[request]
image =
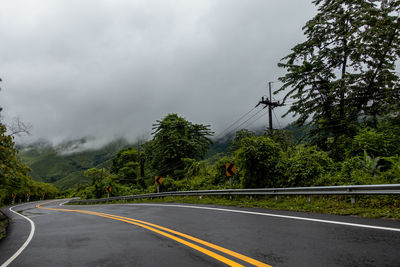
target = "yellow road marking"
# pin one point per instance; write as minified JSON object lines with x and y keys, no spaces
{"x":216,"y":247}
{"x":148,"y":225}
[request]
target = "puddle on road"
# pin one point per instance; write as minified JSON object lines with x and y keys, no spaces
{"x":33,"y":212}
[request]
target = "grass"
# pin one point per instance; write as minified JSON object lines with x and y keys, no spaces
{"x":3,"y":225}
{"x":387,"y":207}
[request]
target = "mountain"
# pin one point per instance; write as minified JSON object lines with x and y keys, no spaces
{"x":63,"y":165}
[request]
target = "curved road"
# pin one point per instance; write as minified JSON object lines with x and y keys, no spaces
{"x":190,"y":235}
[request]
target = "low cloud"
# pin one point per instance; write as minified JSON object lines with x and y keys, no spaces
{"x":112,"y":68}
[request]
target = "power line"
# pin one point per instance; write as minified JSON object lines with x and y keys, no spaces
{"x":179,"y":164}
{"x":255,"y":114}
{"x":232,"y":124}
{"x":251,"y":123}
{"x":280,"y":127}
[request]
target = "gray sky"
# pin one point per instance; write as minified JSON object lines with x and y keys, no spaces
{"x":110,"y":68}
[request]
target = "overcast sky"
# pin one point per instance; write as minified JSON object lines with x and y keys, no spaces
{"x":111,"y":68}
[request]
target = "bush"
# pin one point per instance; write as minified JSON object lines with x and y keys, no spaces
{"x":383,"y":141}
{"x":306,"y":166}
{"x":369,"y":140}
{"x":258,"y":159}
{"x":218,"y":174}
{"x":356,"y":170}
{"x":392,"y":175}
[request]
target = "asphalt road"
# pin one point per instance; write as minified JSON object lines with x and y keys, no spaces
{"x":143,"y":235}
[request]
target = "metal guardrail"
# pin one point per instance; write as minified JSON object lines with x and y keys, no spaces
{"x":351,"y":190}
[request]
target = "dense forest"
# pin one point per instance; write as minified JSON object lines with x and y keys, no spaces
{"x":343,"y":89}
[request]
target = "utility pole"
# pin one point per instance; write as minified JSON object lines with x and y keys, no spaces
{"x":271,"y":105}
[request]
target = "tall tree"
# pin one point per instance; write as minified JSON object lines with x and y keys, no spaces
{"x":13,"y":174}
{"x":14,"y":179}
{"x":346,"y":67}
{"x":127,"y":165}
{"x":258,"y":159}
{"x":176,"y":138}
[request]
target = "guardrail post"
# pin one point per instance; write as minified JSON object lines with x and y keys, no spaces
{"x":251,"y":197}
{"x":353,"y":200}
{"x":308,"y":199}
{"x":276,"y":198}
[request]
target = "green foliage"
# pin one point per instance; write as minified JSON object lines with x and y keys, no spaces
{"x":94,"y":175}
{"x":14,"y":177}
{"x":346,"y":67}
{"x":370,"y":164}
{"x":174,"y":139}
{"x":127,"y":166}
{"x":284,"y":138}
{"x":219,"y":171}
{"x":51,"y":164}
{"x":367,"y":206}
{"x":258,"y":159}
{"x":346,"y":96}
{"x":100,"y":180}
{"x":306,"y":165}
{"x":237,"y":140}
{"x":371,"y":141}
{"x":124,"y":157}
{"x":392,"y":175}
{"x":355,"y":170}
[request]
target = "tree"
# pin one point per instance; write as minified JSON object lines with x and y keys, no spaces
{"x":100,"y":180}
{"x":95,"y":175}
{"x":18,"y":127}
{"x":176,"y":138}
{"x":127,"y":166}
{"x":345,"y":69}
{"x":14,"y":177}
{"x":239,"y":135}
{"x":258,"y":159}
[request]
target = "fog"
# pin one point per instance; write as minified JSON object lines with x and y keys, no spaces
{"x":109,"y":69}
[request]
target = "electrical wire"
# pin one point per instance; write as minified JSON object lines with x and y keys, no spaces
{"x":252,"y":122}
{"x":232,"y":124}
{"x":280,"y":127}
{"x":255,"y":114}
{"x":178,"y":164}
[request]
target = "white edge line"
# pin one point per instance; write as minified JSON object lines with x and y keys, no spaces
{"x":61,"y":204}
{"x":19,"y":251}
{"x":275,"y":215}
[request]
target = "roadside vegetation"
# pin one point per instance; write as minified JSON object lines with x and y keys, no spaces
{"x":365,"y":206}
{"x":15,"y":183}
{"x":344,"y":91}
{"x":3,"y":225}
{"x":343,"y":88}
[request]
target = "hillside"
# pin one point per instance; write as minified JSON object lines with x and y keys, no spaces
{"x":64,"y":165}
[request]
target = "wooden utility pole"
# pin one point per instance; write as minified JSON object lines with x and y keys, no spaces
{"x":271,"y":105}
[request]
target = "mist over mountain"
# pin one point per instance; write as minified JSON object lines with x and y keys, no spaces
{"x":63,"y":164}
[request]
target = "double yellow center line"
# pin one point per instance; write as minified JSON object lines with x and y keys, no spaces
{"x":168,"y":233}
